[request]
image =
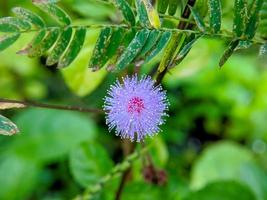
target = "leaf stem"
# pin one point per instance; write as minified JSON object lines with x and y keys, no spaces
{"x":49,"y":106}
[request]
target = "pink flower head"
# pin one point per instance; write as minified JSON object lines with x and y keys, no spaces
{"x":135,"y":108}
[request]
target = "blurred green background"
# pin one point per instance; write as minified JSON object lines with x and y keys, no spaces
{"x":212,"y":147}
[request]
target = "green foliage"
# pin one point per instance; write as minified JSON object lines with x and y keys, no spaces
{"x":7,"y":127}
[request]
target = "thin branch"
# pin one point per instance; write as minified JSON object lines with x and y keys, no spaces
{"x":49,"y":106}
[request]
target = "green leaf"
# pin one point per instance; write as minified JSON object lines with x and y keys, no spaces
{"x":89,"y":162}
{"x":185,"y":50}
{"x":153,"y":37}
{"x":126,"y":10}
{"x":78,"y":78}
{"x":60,"y":47}
{"x":7,"y":40}
{"x":215,"y":11}
{"x":52,"y":9}
{"x":253,"y":18}
{"x":48,"y":41}
{"x":229,"y":161}
{"x":163,"y":41}
{"x":100,"y":49}
{"x":243,"y":44}
{"x":7,"y":127}
{"x":142,"y":13}
{"x":52,"y":135}
{"x":29,"y":16}
{"x":198,"y":19}
{"x":133,"y":49}
{"x":240,"y":17}
{"x":222,"y":190}
{"x":228,"y":52}
{"x":173,"y":5}
{"x":263,"y":50}
{"x":141,"y":191}
{"x":162,"y":6}
{"x":19,"y":177}
{"x":6,"y":26}
{"x":20,"y":23}
{"x":151,"y":14}
{"x":34,"y":43}
{"x":74,"y":47}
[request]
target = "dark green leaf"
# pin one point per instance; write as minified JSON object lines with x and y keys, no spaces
{"x":223,"y":190}
{"x":162,"y":6}
{"x":240,"y":17}
{"x":142,"y":13}
{"x":228,"y":52}
{"x":185,"y":50}
{"x":60,"y":47}
{"x":74,"y":47}
{"x":215,"y":12}
{"x":7,"y":127}
{"x":173,"y":5}
{"x":29,"y":16}
{"x":101,"y":45}
{"x":6,"y":26}
{"x":253,"y":19}
{"x":46,"y":43}
{"x":164,"y":39}
{"x":34,"y":43}
{"x":52,"y":9}
{"x":263,"y":50}
{"x":151,"y":42}
{"x":89,"y":162}
{"x":133,"y":49}
{"x":20,"y":23}
{"x":199,"y":21}
{"x":115,"y":42}
{"x":7,"y":40}
{"x":126,"y":11}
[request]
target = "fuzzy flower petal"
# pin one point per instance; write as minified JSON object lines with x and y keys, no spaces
{"x":135,"y":108}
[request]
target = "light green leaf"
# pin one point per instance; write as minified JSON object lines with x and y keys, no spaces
{"x":74,"y":47}
{"x":133,"y":49}
{"x":29,"y":16}
{"x":126,"y":10}
{"x":152,"y":14}
{"x":8,"y":40}
{"x":19,"y":178}
{"x":89,"y":162}
{"x":229,"y":161}
{"x":81,"y":80}
{"x":222,"y":190}
{"x":215,"y":12}
{"x":60,"y":47}
{"x":52,"y":135}
{"x":7,"y":127}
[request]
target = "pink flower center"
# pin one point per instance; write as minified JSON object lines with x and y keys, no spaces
{"x":135,"y":105}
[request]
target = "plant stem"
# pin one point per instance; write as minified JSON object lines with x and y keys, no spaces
{"x":49,"y":106}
